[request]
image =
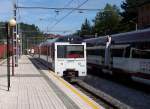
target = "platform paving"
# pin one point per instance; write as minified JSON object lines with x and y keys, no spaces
{"x":32,"y":88}
{"x":28,"y":90}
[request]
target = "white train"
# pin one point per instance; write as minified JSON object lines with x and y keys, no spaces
{"x":125,"y":55}
{"x":65,"y":58}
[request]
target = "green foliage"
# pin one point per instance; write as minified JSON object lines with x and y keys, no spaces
{"x":85,"y":28}
{"x":26,"y":29}
{"x":107,"y":22}
{"x":112,"y":21}
{"x":31,"y":35}
{"x":29,"y":30}
{"x":2,"y":32}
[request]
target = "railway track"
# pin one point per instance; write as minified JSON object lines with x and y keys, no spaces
{"x":125,"y":82}
{"x":98,"y":96}
{"x":94,"y":97}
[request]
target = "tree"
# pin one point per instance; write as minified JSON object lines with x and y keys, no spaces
{"x":2,"y":32}
{"x":31,"y":35}
{"x":85,"y":28}
{"x":130,"y":12}
{"x":107,"y":22}
{"x":30,"y":30}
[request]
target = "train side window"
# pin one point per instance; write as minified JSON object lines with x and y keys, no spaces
{"x":127,"y":52}
{"x":96,"y":52}
{"x":143,"y":54}
{"x":117,"y":52}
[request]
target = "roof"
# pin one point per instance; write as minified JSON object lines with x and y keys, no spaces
{"x":128,"y":37}
{"x":73,"y":39}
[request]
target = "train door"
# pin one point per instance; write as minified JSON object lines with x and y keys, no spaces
{"x":108,"y":59}
{"x":39,"y":52}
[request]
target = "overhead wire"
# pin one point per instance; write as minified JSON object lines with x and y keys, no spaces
{"x":53,"y":8}
{"x":72,"y":10}
{"x":64,"y":7}
{"x":68,"y":14}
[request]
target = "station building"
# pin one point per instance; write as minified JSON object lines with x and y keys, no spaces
{"x":144,"y":15}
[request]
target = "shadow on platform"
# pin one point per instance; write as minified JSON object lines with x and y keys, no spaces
{"x":28,"y":75}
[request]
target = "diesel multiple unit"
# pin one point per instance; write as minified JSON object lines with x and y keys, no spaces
{"x":125,"y":55}
{"x":65,"y":56}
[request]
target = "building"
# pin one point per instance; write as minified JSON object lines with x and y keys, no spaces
{"x":144,"y":15}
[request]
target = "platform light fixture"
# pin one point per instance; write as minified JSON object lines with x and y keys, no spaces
{"x":9,"y":26}
{"x":12,"y":23}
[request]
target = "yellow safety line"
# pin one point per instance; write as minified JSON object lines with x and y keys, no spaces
{"x":83,"y":97}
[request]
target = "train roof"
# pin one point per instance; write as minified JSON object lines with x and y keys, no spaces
{"x":71,"y":39}
{"x":128,"y":37}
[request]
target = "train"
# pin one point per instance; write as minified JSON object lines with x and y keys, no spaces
{"x":66,"y":56}
{"x":125,"y":55}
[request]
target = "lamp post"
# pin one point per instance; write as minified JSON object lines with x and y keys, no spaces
{"x":8,"y":55}
{"x":12,"y":24}
{"x":9,"y":26}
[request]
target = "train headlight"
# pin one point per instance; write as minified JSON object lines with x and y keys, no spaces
{"x":83,"y":72}
{"x":79,"y":63}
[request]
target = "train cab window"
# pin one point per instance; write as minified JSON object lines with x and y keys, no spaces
{"x":61,"y":51}
{"x":70,"y":51}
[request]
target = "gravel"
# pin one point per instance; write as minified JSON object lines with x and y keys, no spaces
{"x":132,"y":97}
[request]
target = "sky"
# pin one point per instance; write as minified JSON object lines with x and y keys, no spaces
{"x":46,"y":19}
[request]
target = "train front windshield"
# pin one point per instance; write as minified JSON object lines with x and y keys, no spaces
{"x":70,"y":51}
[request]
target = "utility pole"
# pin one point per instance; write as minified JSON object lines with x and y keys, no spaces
{"x":14,"y":40}
{"x":27,"y":45}
{"x":20,"y":44}
{"x":16,"y":35}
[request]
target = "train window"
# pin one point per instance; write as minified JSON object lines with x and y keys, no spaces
{"x":96,"y":52}
{"x":127,"y":52}
{"x":89,"y":52}
{"x":61,"y":51}
{"x":70,"y":51}
{"x":136,"y":53}
{"x":117,"y":52}
{"x":142,"y":46}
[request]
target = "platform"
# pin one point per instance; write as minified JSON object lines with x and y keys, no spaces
{"x":33,"y":88}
